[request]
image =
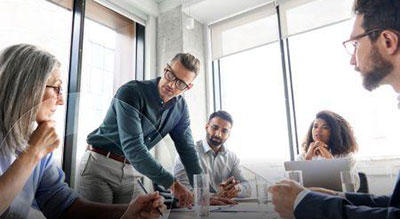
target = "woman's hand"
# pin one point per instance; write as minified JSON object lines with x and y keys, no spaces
{"x":318,"y":148}
{"x":145,"y":206}
{"x":43,"y":140}
{"x":324,"y":152}
{"x":311,"y":151}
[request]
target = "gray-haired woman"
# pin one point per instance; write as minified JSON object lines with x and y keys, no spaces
{"x":29,"y":94}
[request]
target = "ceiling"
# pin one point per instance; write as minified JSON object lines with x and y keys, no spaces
{"x":205,"y":11}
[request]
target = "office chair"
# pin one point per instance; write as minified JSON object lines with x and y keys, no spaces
{"x":363,"y":183}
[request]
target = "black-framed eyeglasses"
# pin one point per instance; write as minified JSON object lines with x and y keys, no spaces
{"x":170,"y":76}
{"x":58,"y":90}
{"x":352,"y":44}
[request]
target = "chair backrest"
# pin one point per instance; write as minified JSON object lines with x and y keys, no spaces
{"x":363,"y":183}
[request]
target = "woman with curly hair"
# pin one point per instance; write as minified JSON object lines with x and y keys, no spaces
{"x":330,"y":136}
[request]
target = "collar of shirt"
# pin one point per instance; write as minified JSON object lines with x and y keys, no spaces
{"x":156,"y":93}
{"x":207,"y":148}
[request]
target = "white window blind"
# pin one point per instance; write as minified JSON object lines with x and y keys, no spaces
{"x":245,"y":31}
{"x":299,"y":16}
{"x":259,"y":26}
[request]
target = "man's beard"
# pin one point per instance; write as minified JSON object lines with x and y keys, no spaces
{"x":214,"y":141}
{"x":380,"y":69}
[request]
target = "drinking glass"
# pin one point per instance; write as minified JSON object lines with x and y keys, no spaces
{"x":262,"y":192}
{"x":201,"y":195}
{"x":295,"y":175}
{"x":348,"y":181}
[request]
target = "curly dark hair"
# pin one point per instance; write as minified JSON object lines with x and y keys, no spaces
{"x":342,"y":140}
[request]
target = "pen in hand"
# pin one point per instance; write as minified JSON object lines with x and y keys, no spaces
{"x":145,"y":191}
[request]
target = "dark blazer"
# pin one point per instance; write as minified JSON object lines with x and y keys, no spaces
{"x":355,"y":205}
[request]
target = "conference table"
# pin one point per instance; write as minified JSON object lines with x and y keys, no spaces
{"x":244,"y":210}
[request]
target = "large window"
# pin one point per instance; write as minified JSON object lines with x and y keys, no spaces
{"x":108,"y":62}
{"x":252,"y":91}
{"x":47,"y":25}
{"x":108,"y":54}
{"x":44,"y":24}
{"x":324,"y":79}
{"x":97,"y":80}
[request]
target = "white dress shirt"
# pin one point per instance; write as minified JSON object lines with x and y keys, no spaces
{"x":219,"y":166}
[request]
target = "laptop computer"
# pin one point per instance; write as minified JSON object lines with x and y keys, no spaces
{"x":320,"y":173}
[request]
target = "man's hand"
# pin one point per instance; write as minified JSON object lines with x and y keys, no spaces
{"x":284,"y":195}
{"x":216,"y":200}
{"x":229,"y":188}
{"x":144,"y":207}
{"x":183,"y":194}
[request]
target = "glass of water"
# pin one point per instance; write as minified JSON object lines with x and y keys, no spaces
{"x":201,"y":195}
{"x":295,"y":175}
{"x":262,"y":192}
{"x":348,"y":181}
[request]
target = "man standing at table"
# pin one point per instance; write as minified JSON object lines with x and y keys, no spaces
{"x":375,"y":50}
{"x":222,"y":165}
{"x":140,"y":115}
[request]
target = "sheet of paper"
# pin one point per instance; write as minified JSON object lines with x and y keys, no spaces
{"x":212,"y":208}
{"x":245,"y":199}
{"x":242,"y":208}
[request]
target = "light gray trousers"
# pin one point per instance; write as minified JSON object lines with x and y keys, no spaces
{"x":106,"y":180}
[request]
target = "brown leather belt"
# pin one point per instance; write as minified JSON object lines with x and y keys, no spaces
{"x":108,"y":154}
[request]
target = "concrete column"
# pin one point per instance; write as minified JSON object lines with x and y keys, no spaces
{"x":172,"y":38}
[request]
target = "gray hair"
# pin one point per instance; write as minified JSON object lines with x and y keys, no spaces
{"x":24,"y":70}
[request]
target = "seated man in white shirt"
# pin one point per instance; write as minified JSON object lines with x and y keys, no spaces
{"x":222,"y":165}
